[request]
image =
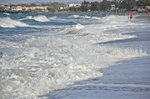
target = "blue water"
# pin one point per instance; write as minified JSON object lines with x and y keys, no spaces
{"x":67,"y":56}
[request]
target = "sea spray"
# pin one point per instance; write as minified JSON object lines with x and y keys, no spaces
{"x":39,"y":63}
{"x":7,"y":22}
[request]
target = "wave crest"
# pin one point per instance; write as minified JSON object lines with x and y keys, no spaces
{"x":10,"y":23}
{"x":39,"y":18}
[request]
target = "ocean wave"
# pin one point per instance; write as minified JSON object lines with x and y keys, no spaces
{"x":90,"y":17}
{"x":115,"y":20}
{"x":75,"y":16}
{"x":6,"y":13}
{"x":53,"y":18}
{"x":78,"y":26}
{"x":39,"y":18}
{"x":38,"y":64}
{"x":85,"y":17}
{"x":74,"y":29}
{"x":55,"y":63}
{"x":11,"y":23}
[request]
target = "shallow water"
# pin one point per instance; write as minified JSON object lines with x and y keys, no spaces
{"x":43,"y":54}
{"x":128,"y":79}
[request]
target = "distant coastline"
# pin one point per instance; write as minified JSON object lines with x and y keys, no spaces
{"x":86,"y":13}
{"x":103,"y":7}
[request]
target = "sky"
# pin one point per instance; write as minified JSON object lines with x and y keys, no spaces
{"x":41,"y":1}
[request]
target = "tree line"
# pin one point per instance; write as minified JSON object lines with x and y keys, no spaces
{"x":105,"y":5}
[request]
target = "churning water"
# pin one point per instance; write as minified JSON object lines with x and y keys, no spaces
{"x":40,"y":54}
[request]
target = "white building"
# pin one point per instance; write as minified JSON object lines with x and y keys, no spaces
{"x":113,"y":7}
{"x":74,"y":5}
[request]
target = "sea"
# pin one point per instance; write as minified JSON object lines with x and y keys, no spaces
{"x":48,"y":56}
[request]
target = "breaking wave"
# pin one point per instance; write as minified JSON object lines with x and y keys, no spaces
{"x":39,"y":18}
{"x":78,"y":26}
{"x":11,"y":23}
{"x":40,"y":64}
{"x":85,"y":17}
{"x":6,"y":13}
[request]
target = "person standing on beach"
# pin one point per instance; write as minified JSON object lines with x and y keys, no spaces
{"x":131,"y":15}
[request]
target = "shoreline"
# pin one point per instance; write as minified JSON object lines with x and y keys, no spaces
{"x":144,"y":16}
{"x":62,"y":60}
{"x":78,"y":12}
{"x":128,"y":80}
{"x":135,"y":14}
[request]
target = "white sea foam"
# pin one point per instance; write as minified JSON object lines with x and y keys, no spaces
{"x":90,"y":17}
{"x":40,"y":18}
{"x":53,"y":18}
{"x":107,"y":23}
{"x":75,"y":16}
{"x":79,"y":16}
{"x":6,"y":13}
{"x":74,"y":29}
{"x":85,"y":17}
{"x":42,"y":64}
{"x":54,"y":64}
{"x":11,"y":23}
{"x":78,"y":26}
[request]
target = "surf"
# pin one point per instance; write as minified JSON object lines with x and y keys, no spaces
{"x":59,"y":58}
{"x":7,"y":22}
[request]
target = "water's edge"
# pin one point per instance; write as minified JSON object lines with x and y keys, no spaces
{"x":126,"y":80}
